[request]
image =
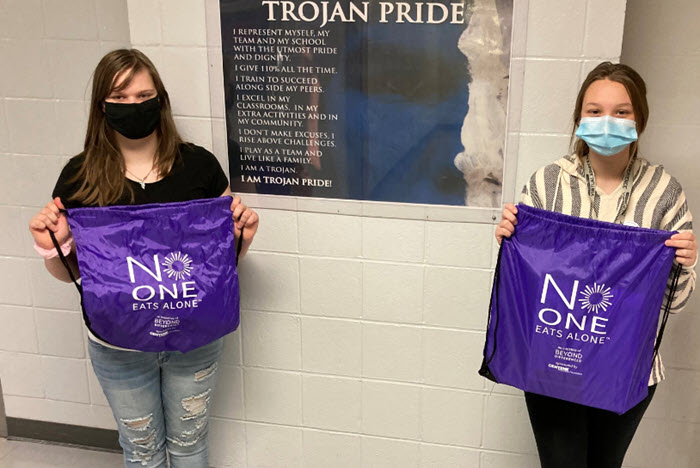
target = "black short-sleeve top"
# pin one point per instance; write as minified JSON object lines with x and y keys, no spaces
{"x":196,"y":174}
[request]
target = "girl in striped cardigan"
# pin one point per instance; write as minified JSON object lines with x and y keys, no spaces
{"x":605,"y":179}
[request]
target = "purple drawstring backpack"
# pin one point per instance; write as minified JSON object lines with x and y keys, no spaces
{"x":575,"y":308}
{"x":157,"y":277}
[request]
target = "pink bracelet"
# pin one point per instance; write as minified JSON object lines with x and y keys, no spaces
{"x":52,"y":253}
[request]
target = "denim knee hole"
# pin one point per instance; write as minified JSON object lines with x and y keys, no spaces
{"x":146,"y":443}
{"x":196,"y":410}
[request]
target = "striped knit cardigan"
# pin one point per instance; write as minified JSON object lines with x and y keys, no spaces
{"x":656,"y":201}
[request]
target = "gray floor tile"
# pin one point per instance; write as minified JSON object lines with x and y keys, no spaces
{"x":21,"y":454}
{"x":5,"y":448}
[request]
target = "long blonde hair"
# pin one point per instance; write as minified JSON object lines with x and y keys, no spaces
{"x":101,"y":175}
{"x":636,"y":88}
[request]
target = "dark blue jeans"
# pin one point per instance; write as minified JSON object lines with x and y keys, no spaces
{"x":570,"y":435}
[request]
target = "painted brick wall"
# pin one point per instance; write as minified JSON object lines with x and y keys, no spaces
{"x":48,"y":49}
{"x":662,"y":43}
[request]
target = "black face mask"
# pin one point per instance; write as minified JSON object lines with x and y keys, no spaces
{"x":134,"y":121}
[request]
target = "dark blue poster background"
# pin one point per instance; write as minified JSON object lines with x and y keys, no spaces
{"x":355,"y":109}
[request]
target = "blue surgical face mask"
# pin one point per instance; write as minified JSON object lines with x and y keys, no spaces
{"x":607,"y":135}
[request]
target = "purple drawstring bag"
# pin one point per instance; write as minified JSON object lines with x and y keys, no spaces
{"x":575,"y":308}
{"x":157,"y":277}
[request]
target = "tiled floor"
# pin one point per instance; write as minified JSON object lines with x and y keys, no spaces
{"x":21,"y":454}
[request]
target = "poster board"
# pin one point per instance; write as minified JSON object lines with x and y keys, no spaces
{"x":376,"y":101}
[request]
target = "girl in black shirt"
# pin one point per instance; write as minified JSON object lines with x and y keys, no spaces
{"x":133,"y":154}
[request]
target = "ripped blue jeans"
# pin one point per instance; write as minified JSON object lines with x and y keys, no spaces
{"x":160,"y":401}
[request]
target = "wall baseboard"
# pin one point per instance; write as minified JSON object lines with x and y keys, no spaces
{"x":3,"y":424}
{"x":88,"y":437}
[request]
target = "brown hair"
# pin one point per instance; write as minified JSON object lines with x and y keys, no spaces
{"x":636,"y":88}
{"x":101,"y":174}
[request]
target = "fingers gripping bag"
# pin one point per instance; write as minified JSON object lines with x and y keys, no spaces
{"x":575,"y":309}
{"x":157,"y":277}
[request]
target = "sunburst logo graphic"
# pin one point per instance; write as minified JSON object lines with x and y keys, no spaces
{"x":596,"y":298}
{"x":177,"y":266}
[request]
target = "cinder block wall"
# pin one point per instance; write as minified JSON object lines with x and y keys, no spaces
{"x":361,"y":335}
{"x":48,"y":49}
{"x":662,"y":43}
